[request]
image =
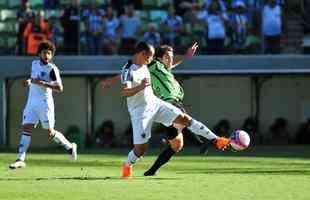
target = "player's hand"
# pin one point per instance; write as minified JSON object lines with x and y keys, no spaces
{"x":27,"y":82}
{"x":191,"y":51}
{"x":106,"y":83}
{"x":145,"y":82}
{"x":37,"y":81}
{"x":221,"y":143}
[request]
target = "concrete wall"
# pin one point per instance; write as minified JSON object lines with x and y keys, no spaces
{"x":208,"y":98}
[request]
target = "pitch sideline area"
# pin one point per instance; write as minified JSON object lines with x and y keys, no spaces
{"x":260,"y":173}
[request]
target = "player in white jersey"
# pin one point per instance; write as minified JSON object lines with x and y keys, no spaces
{"x":44,"y":79}
{"x":145,"y":108}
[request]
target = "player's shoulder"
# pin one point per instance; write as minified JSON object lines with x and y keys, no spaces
{"x":35,"y":63}
{"x":155,"y":65}
{"x":128,"y":65}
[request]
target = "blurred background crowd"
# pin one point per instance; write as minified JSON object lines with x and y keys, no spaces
{"x":107,"y":27}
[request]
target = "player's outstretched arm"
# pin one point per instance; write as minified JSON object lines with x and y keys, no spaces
{"x":189,"y":53}
{"x":53,"y":85}
{"x":130,"y":91}
{"x":108,"y":82}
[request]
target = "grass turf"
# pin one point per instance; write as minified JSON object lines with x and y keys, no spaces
{"x":261,"y":173}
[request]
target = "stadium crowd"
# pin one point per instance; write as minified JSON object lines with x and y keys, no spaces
{"x":115,"y":26}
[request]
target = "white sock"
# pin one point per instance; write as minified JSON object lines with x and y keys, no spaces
{"x":60,"y":139}
{"x":200,"y":129}
{"x":132,"y":158}
{"x":25,"y":140}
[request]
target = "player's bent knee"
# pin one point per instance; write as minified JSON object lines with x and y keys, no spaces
{"x":177,"y":144}
{"x":140,"y":149}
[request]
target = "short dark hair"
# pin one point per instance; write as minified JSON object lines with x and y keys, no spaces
{"x":47,"y":45}
{"x":143,"y":46}
{"x":162,"y":50}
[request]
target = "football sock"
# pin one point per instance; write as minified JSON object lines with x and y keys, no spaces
{"x":25,"y":140}
{"x":132,"y":158}
{"x":162,"y":159}
{"x":60,"y":139}
{"x":200,"y":129}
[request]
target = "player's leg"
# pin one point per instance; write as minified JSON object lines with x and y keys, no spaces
{"x":199,"y":128}
{"x":30,"y":118}
{"x":24,"y":143}
{"x":175,"y":138}
{"x":47,"y":118}
{"x":141,"y":126}
{"x":195,"y":139}
{"x":61,"y":140}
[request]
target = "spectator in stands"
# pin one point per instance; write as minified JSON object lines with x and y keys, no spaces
{"x":239,"y":25}
{"x":94,"y":29}
{"x":130,"y":27}
{"x":51,"y":4}
{"x":185,"y":8}
{"x":171,"y":26}
{"x":216,"y":22}
{"x":70,"y":20}
{"x":272,"y":27}
{"x":152,"y":36}
{"x":54,"y":31}
{"x":303,"y":134}
{"x":105,"y":135}
{"x":24,"y":15}
{"x":279,"y":132}
{"x":36,"y":31}
{"x":221,"y":4}
{"x":110,"y":33}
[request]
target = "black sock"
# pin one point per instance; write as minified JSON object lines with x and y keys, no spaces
{"x":162,"y":159}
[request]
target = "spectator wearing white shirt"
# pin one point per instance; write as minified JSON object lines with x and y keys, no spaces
{"x":171,"y":25}
{"x":239,"y":23}
{"x":110,"y":33}
{"x":216,"y":24}
{"x":272,"y":27}
{"x":129,"y":26}
{"x":152,"y":36}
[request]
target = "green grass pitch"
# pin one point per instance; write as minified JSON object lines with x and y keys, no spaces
{"x":261,"y":173}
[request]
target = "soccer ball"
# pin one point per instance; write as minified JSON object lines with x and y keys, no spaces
{"x":239,"y":140}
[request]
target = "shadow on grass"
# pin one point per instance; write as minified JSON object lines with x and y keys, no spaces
{"x":82,"y":178}
{"x":247,"y":171}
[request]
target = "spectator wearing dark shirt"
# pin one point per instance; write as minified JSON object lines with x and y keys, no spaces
{"x":23,"y":17}
{"x":70,"y":20}
{"x":51,"y":4}
{"x":303,"y":134}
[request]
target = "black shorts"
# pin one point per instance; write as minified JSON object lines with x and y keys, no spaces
{"x":172,"y":132}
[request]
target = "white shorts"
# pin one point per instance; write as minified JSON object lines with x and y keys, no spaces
{"x":43,"y":112}
{"x":143,"y":118}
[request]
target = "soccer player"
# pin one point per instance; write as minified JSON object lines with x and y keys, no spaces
{"x":45,"y":78}
{"x":145,"y":108}
{"x":167,"y":88}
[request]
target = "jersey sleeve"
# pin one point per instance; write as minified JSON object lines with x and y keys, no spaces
{"x":34,"y":71}
{"x":55,"y":76}
{"x":126,"y":77}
